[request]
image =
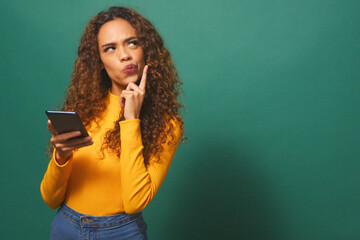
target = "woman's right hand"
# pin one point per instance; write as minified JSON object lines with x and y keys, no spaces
{"x":64,"y":143}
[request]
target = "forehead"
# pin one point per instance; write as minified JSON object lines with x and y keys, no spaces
{"x":115,"y":30}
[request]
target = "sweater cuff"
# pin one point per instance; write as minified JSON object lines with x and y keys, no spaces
{"x":62,"y":167}
{"x":130,"y":129}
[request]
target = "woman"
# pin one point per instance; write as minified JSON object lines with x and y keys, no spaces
{"x":125,"y":88}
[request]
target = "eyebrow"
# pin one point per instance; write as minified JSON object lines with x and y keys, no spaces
{"x":112,"y":43}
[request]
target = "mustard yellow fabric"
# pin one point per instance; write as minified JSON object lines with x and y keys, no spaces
{"x":102,"y":184}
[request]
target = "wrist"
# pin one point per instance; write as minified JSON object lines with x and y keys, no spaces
{"x":62,"y":159}
{"x":130,"y":117}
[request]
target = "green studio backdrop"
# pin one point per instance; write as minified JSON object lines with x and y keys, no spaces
{"x":272,"y":94}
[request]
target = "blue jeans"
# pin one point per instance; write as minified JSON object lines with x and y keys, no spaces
{"x":69,"y":224}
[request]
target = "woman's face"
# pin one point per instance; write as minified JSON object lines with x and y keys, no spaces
{"x":122,"y":57}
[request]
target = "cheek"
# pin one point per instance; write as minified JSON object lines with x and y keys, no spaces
{"x":109,"y":64}
{"x":111,"y":71}
{"x":140,"y":56}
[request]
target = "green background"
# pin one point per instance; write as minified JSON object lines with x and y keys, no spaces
{"x":272,"y":94}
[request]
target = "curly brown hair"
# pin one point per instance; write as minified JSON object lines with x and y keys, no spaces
{"x":90,"y":84}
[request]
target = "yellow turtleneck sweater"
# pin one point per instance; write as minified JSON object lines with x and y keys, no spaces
{"x":100,"y":185}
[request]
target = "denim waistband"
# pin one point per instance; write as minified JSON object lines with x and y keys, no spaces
{"x":94,"y":221}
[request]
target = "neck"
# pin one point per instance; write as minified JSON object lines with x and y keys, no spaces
{"x":116,"y":89}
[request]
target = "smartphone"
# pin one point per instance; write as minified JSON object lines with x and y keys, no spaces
{"x":65,"y":121}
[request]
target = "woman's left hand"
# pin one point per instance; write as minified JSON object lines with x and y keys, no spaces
{"x":132,"y":97}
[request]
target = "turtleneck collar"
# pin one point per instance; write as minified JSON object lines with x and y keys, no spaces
{"x":114,"y":100}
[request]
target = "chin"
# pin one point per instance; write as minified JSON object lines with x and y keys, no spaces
{"x":132,"y":80}
{"x":125,"y":81}
{"x":136,"y":79}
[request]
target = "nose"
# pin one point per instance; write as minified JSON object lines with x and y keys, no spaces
{"x":123,"y":55}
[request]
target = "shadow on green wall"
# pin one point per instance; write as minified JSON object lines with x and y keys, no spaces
{"x":225,"y":196}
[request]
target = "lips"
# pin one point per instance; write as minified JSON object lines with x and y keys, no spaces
{"x":130,"y":68}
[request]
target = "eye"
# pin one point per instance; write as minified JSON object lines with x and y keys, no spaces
{"x":110,"y":48}
{"x":133,"y":44}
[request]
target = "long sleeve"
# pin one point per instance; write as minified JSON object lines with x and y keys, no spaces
{"x":140,"y":183}
{"x":54,"y":184}
{"x":97,"y":182}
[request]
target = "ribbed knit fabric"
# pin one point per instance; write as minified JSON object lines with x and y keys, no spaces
{"x":101,"y":184}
